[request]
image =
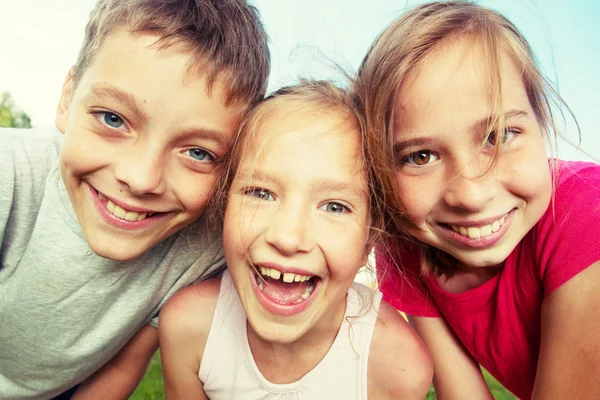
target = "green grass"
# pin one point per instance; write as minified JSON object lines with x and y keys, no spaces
{"x":151,"y":387}
{"x":498,"y":391}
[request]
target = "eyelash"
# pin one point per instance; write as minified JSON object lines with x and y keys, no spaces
{"x":211,"y":156}
{"x":252,"y":191}
{"x":409,"y":159}
{"x":260,"y":193}
{"x":345,"y":209}
{"x":101,"y":117}
{"x":508,"y":130}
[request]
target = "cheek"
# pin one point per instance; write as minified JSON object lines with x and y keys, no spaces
{"x":527,"y":172}
{"x":417,"y":196}
{"x":346,"y":253}
{"x":194,"y":192}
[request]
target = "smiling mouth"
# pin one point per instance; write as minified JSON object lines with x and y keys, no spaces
{"x":121,"y":213}
{"x":284,"y":288}
{"x":477,"y":232}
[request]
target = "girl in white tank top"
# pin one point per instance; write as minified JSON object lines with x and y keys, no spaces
{"x":286,"y":320}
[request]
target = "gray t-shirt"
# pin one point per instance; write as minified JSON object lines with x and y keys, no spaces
{"x":65,"y":311}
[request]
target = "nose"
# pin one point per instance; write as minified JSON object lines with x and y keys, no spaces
{"x":290,"y":231}
{"x":141,"y":171}
{"x":470,"y":188}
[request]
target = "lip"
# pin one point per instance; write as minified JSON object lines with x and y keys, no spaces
{"x":481,"y":222}
{"x":285,"y":310}
{"x":480,"y":243}
{"x":283,"y":269}
{"x":123,"y":205}
{"x":118,"y":222}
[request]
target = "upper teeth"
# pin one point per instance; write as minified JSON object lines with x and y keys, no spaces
{"x":288,"y":277}
{"x":476,"y":232}
{"x":120,"y":212}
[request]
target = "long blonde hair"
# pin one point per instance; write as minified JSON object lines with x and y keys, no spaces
{"x":399,"y":50}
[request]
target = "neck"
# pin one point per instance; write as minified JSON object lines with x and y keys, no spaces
{"x":282,"y":363}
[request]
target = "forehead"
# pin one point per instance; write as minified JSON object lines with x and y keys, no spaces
{"x":308,"y":127}
{"x":455,"y":81}
{"x":304,"y":141}
{"x":159,"y":82}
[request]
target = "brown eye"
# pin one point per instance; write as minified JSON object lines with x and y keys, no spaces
{"x":508,"y":135}
{"x":420,"y":158}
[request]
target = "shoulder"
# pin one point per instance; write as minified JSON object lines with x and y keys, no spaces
{"x":399,"y":364}
{"x":566,"y":239}
{"x":576,"y":181}
{"x":48,"y":139}
{"x":29,"y":153}
{"x":187,"y":315}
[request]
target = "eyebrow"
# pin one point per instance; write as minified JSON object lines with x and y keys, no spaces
{"x":483,"y":123}
{"x":120,"y":96}
{"x":487,"y":121}
{"x":320,"y":184}
{"x":401,"y":146}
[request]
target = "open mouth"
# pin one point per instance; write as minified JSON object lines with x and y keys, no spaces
{"x":477,"y":232}
{"x":121,"y":213}
{"x":284,"y":288}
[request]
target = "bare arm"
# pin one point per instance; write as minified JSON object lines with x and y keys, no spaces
{"x":399,"y":365}
{"x":456,"y":374}
{"x":569,"y":362}
{"x":183,"y":329}
{"x":121,"y":375}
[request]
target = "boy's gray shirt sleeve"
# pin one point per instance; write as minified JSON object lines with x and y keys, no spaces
{"x":197,"y":272}
{"x":25,"y":155}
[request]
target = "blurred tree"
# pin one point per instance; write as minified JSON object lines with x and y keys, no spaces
{"x":10,"y":115}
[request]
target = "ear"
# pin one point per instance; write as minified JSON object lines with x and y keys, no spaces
{"x":62,"y":112}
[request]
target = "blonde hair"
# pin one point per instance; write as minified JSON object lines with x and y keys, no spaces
{"x":310,"y":95}
{"x":224,"y":37}
{"x":401,"y":49}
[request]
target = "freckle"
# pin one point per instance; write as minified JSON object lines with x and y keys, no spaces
{"x":121,"y":190}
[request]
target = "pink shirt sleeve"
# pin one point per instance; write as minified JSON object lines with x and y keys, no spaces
{"x":568,"y":235}
{"x":401,"y":282}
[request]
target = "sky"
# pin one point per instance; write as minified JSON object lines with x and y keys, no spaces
{"x":40,"y":40}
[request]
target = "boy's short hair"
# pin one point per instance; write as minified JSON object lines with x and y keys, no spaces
{"x":224,"y":37}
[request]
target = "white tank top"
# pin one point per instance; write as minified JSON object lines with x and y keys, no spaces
{"x":228,"y":370}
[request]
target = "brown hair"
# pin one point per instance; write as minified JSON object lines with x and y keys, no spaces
{"x":224,"y":36}
{"x":310,"y":95}
{"x":399,"y":50}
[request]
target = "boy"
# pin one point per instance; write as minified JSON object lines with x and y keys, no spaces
{"x":99,"y":225}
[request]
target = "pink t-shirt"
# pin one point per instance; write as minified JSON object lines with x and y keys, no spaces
{"x":499,"y":321}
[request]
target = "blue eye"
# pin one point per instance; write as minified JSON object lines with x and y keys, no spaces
{"x":200,"y":154}
{"x":335,"y":208}
{"x":112,"y":119}
{"x":259,"y":193}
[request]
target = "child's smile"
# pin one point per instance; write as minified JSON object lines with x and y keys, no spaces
{"x":282,"y":291}
{"x":477,"y":234}
{"x":123,"y":215}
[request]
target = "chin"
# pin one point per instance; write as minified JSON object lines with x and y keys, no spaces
{"x":118,"y":253}
{"x":277,"y":333}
